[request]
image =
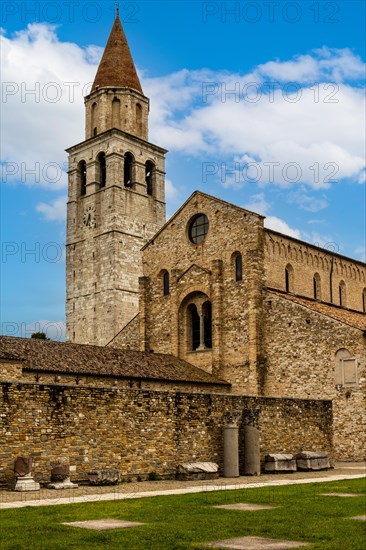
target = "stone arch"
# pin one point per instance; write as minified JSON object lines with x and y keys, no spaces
{"x":150,"y":176}
{"x":128,"y":164}
{"x":101,"y":169}
{"x":81,"y":177}
{"x":195,"y":322}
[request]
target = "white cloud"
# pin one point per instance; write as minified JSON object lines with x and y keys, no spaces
{"x":310,"y":203}
{"x":276,"y":224}
{"x":258,"y":204}
{"x":55,"y":210}
{"x":42,"y":109}
{"x":310,"y":141}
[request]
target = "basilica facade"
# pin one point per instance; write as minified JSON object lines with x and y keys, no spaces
{"x":170,"y":324}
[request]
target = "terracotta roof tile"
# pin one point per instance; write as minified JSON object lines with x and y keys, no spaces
{"x":347,"y":316}
{"x":116,"y":67}
{"x":60,"y":357}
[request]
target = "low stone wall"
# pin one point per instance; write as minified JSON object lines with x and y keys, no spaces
{"x":140,"y":431}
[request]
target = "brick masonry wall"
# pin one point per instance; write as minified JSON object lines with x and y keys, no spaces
{"x":306,"y":261}
{"x":302,"y":365}
{"x":139,"y":431}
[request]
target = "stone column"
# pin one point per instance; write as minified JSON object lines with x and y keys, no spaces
{"x":231,"y":422}
{"x":202,"y":331}
{"x":252,"y":466}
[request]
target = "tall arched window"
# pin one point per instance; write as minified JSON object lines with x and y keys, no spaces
{"x":289,"y":278}
{"x":116,"y":110}
{"x":102,"y":170}
{"x":127,"y":170}
{"x":238,"y":267}
{"x":342,"y":293}
{"x":364,"y":300}
{"x":166,"y":289}
{"x":317,"y":286}
{"x":207,"y":324}
{"x":194,"y":325}
{"x":82,"y":177}
{"x":93,"y":119}
{"x":139,"y":119}
{"x":149,"y":176}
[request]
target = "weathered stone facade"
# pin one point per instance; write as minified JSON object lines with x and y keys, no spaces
{"x":139,"y":431}
{"x":116,"y":202}
{"x":311,"y":266}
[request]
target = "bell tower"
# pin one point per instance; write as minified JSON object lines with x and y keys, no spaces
{"x":116,"y":200}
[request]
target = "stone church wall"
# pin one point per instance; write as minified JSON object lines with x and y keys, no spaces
{"x":306,"y":261}
{"x":140,"y":431}
{"x":206,"y":271}
{"x":129,"y":336}
{"x":302,"y":365}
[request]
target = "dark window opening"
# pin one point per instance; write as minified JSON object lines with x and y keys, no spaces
{"x":364,"y":301}
{"x":82,"y":176}
{"x":198,"y":228}
{"x":287,"y":280}
{"x":341,"y":295}
{"x":239,"y":268}
{"x":127,"y":171}
{"x":195,"y":326}
{"x":102,"y":170}
{"x":207,"y":324}
{"x":315,"y":285}
{"x":149,"y":173}
{"x":166,"y":284}
{"x":95,"y":131}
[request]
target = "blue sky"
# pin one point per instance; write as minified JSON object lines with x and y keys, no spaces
{"x":259,"y":103}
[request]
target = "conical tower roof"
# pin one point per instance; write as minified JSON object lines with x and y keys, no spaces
{"x":117,"y":67}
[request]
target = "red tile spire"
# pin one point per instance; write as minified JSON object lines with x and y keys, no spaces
{"x":117,"y":67}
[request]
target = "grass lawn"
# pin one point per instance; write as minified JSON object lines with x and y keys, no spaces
{"x":181,"y":522}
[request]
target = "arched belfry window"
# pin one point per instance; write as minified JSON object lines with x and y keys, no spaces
{"x":317,"y":287}
{"x":166,"y":289}
{"x":127,"y":169}
{"x":342,"y":293}
{"x":149,"y":177}
{"x":289,"y":278}
{"x":102,"y":170}
{"x":82,"y":177}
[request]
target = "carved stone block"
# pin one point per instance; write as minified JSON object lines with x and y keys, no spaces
{"x":280,"y":463}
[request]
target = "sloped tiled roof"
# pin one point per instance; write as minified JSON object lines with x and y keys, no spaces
{"x":65,"y":358}
{"x":116,"y":67}
{"x":349,"y":317}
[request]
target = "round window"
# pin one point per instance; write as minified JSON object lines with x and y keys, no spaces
{"x":198,"y":228}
